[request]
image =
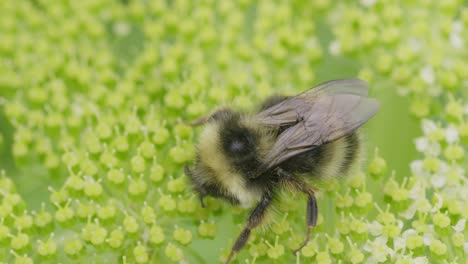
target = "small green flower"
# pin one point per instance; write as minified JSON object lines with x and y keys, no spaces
{"x":207,"y":229}
{"x":116,"y":238}
{"x":182,"y":236}
{"x":130,"y":224}
{"x":378,"y":166}
{"x":47,"y":248}
{"x":275,"y":251}
{"x":19,"y":241}
{"x":157,"y":235}
{"x":22,"y":259}
{"x":137,"y":186}
{"x":140,"y":253}
{"x":173,"y":253}
{"x":73,"y":247}
{"x":138,"y":164}
{"x":437,"y":247}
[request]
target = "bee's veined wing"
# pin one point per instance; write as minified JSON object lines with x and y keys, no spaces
{"x":286,"y":112}
{"x":317,"y":116}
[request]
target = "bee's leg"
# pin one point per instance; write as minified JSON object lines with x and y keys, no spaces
{"x":255,"y":218}
{"x":311,"y":219}
{"x":300,"y":185}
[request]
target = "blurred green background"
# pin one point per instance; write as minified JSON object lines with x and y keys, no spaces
{"x":90,"y":88}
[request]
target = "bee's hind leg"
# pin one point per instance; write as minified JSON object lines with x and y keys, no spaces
{"x":255,"y":218}
{"x":300,"y":185}
{"x":311,"y":219}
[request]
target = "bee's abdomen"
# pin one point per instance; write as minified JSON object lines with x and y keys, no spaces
{"x":329,"y":160}
{"x":352,"y":151}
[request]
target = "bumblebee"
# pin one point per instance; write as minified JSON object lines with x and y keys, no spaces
{"x":246,"y":158}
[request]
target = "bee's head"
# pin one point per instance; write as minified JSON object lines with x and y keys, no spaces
{"x":227,"y":153}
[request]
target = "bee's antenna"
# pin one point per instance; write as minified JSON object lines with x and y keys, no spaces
{"x":198,"y":122}
{"x":187,"y":170}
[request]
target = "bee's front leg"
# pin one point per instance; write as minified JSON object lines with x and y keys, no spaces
{"x":255,"y":218}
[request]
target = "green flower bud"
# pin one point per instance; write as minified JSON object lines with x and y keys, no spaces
{"x":177,"y":185}
{"x":335,"y":246}
{"x":92,"y":188}
{"x":414,"y":241}
{"x":182,"y":236}
{"x":355,"y":256}
{"x":148,"y":214}
{"x":187,"y":205}
{"x":276,"y":251}
{"x":121,"y":144}
{"x":116,"y":176}
{"x":70,"y":159}
{"x":157,"y":173}
{"x":323,"y":257}
{"x":58,"y":197}
{"x":72,"y":247}
{"x":344,"y":201}
{"x":130,"y":224}
{"x":99,"y":235}
{"x":173,"y":253}
{"x":363,"y":200}
{"x":454,"y":110}
{"x":137,"y":187}
{"x":378,"y":166}
{"x":454,"y":152}
{"x":157,"y":235}
{"x":75,"y":182}
{"x":207,"y":230}
{"x":138,"y":164}
{"x":20,"y":241}
{"x":23,"y":260}
{"x":183,"y":131}
{"x":441,"y":223}
{"x":160,"y":136}
{"x":438,"y":248}
{"x":431,"y":164}
{"x":64,"y":214}
{"x":391,"y":230}
{"x":88,"y":168}
{"x":47,"y":248}
{"x":23,"y":222}
{"x":4,"y":231}
{"x":103,"y":131}
{"x":147,"y":149}
{"x":41,"y":219}
{"x":106,"y":212}
{"x":458,"y":239}
{"x":281,"y":227}
{"x":116,"y":238}
{"x":167,"y":203}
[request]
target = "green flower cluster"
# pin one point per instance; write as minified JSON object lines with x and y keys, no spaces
{"x":419,"y":47}
{"x":92,"y":95}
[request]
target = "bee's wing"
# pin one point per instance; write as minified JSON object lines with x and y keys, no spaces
{"x":317,"y":116}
